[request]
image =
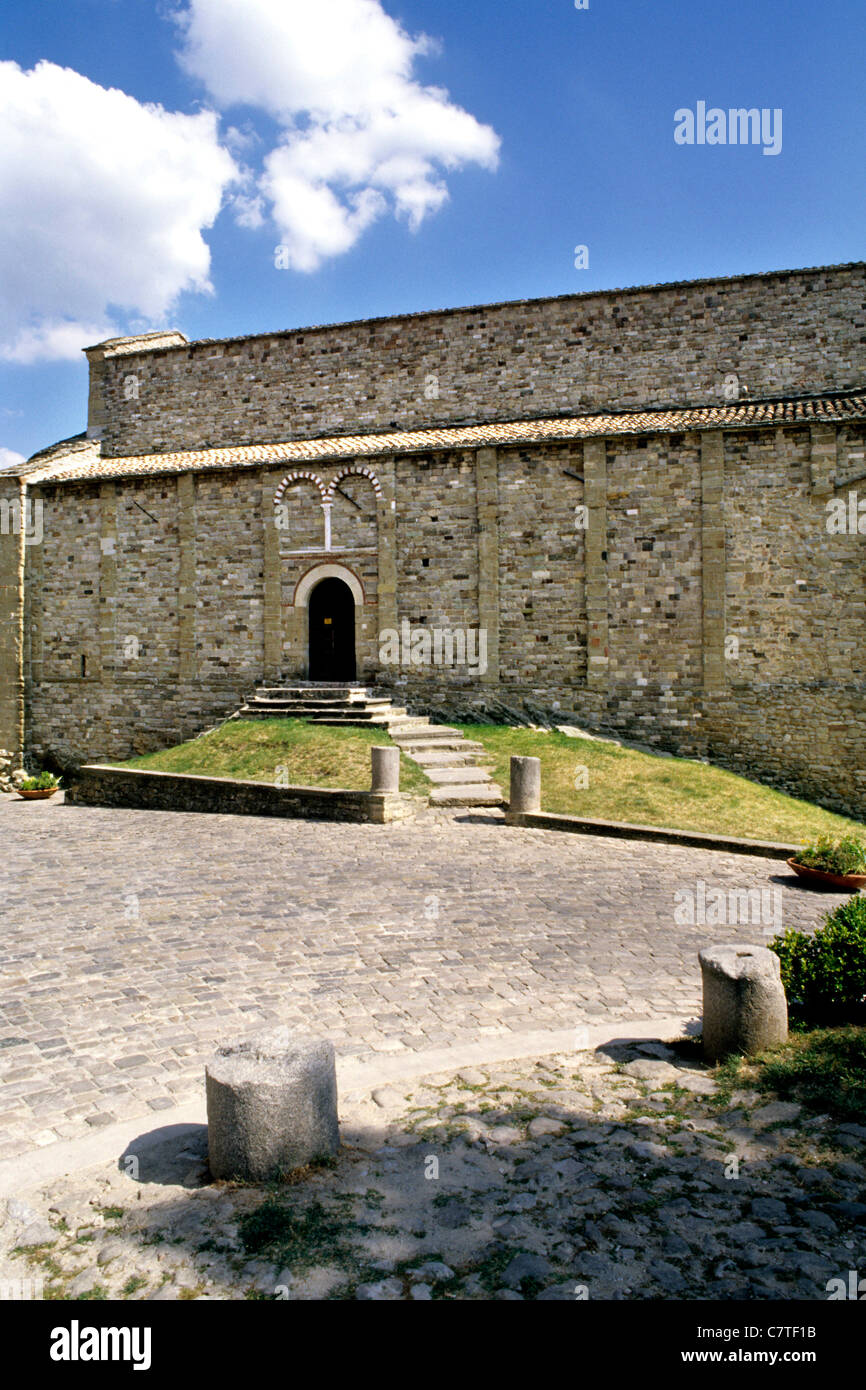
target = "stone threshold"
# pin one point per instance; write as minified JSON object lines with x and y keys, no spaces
{"x":623,"y":830}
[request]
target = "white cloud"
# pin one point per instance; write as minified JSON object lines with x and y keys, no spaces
{"x":104,"y":201}
{"x":360,"y":133}
{"x":9,"y":458}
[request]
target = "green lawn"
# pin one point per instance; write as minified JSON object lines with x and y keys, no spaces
{"x":253,"y":750}
{"x":650,"y":790}
{"x":623,"y":785}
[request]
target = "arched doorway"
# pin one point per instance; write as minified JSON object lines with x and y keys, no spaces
{"x":331,"y":610}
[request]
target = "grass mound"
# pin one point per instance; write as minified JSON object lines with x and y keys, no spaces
{"x":582,"y":777}
{"x":287,"y":752}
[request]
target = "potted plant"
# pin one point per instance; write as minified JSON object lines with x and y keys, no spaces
{"x":836,"y":863}
{"x":38,"y":788}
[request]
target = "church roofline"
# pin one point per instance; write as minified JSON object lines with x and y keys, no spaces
{"x":80,"y":459}
{"x":128,"y":346}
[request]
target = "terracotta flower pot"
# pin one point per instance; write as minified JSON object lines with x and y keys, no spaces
{"x":41,"y":795}
{"x":848,"y":882}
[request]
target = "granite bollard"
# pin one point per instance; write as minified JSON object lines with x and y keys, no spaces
{"x":271,"y":1106}
{"x":386,"y":770}
{"x":525,"y":784}
{"x":745,"y":1009}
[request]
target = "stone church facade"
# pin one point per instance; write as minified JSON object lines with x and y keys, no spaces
{"x":638,"y":508}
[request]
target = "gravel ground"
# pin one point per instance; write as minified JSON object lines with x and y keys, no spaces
{"x":624,"y":1173}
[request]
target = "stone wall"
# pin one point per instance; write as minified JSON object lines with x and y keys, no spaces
{"x":787,"y":333}
{"x":168,"y":791}
{"x":700,"y":604}
{"x":12,"y":559}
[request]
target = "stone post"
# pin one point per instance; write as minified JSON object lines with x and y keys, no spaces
{"x":525,"y":784}
{"x":271,"y":1106}
{"x":745,"y":1010}
{"x":386,"y":771}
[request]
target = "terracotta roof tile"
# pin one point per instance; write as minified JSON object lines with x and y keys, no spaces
{"x":80,"y":459}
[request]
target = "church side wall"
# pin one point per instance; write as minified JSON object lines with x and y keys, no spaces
{"x":797,"y":332}
{"x":685,"y":591}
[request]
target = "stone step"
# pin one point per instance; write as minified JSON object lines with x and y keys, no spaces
{"x":422,"y":744}
{"x":457,"y":776}
{"x":290,"y":711}
{"x":476,"y":795}
{"x":447,"y":759}
{"x":316,"y":692}
{"x":445,"y":745}
{"x":363,"y":717}
{"x":430,"y":733}
{"x":311,"y":706}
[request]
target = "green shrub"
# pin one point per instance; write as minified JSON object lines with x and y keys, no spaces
{"x":46,"y":781}
{"x":845,"y":856}
{"x":825,"y":974}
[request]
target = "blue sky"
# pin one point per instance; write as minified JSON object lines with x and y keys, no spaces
{"x":557,"y":130}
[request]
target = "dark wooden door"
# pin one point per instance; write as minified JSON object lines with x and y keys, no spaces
{"x":332,"y":632}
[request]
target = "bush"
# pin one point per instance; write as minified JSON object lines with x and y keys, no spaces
{"x":825,"y":974}
{"x":845,"y":856}
{"x":46,"y":781}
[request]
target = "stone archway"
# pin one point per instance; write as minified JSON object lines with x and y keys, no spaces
{"x":327,"y":609}
{"x":331,"y":633}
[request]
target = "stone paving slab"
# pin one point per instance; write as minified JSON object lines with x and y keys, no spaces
{"x":133,"y":940}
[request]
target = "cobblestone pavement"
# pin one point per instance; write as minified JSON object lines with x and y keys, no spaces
{"x":133,"y":940}
{"x":624,"y":1173}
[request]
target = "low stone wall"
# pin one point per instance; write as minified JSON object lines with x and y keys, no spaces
{"x":97,"y":785}
{"x":622,"y":830}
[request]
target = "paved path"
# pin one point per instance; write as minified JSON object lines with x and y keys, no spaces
{"x":132,"y":940}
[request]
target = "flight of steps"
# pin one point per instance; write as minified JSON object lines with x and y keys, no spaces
{"x":453,"y":764}
{"x":352,"y":705}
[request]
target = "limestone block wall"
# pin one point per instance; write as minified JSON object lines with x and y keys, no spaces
{"x":70,"y":563}
{"x":437,"y":544}
{"x":542,"y":569}
{"x":654,"y":572}
{"x":791,"y":332}
{"x":12,"y":558}
{"x":682,"y":589}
